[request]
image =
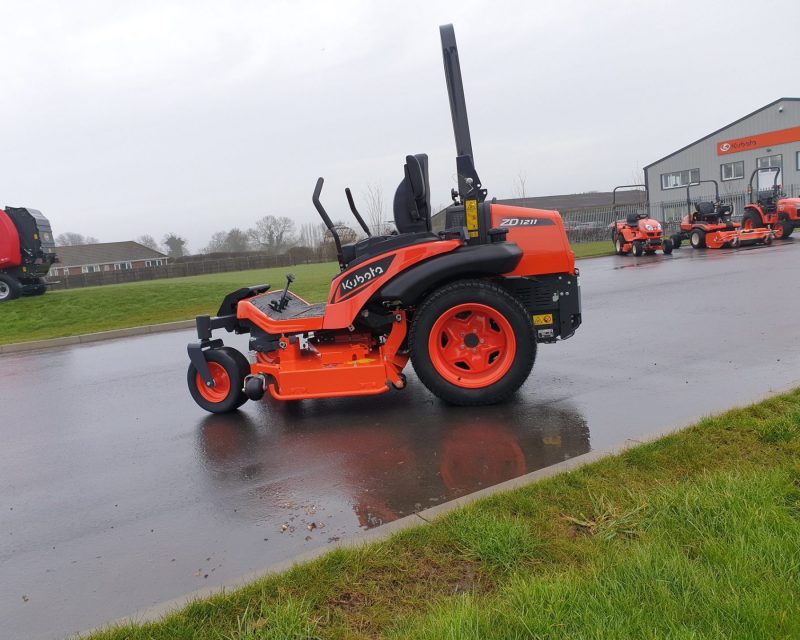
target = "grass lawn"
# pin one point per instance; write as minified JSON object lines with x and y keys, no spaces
{"x":76,"y":311}
{"x":593,"y":249}
{"x":696,"y":535}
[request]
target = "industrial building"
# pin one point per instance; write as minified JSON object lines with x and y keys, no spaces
{"x":767,"y":139}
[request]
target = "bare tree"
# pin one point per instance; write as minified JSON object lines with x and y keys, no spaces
{"x":273,"y":233}
{"x":233,"y":241}
{"x":376,"y":216}
{"x":519,"y":185}
{"x":217,"y":242}
{"x":176,"y":246}
{"x":148,"y":241}
{"x":311,"y":234}
{"x":70,"y":238}
{"x":327,"y":248}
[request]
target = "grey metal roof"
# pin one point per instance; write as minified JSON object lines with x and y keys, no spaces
{"x":572,"y":201}
{"x":104,"y":253}
{"x":713,"y":133}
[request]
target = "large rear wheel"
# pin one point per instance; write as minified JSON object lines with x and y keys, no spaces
{"x":472,"y":343}
{"x":228,"y":368}
{"x":752,"y":220}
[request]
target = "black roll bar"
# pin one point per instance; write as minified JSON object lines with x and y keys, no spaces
{"x":775,"y":184}
{"x":469,"y":184}
{"x":694,"y":184}
{"x":614,"y":204}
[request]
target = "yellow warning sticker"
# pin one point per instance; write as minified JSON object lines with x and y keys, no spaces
{"x":543,"y":318}
{"x":471,"y":207}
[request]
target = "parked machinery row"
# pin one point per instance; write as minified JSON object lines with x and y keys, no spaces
{"x":709,"y":223}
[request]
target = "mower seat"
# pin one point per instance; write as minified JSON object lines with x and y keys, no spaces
{"x":768,"y":204}
{"x":706,"y":211}
{"x":412,"y":200}
{"x":632,"y":219}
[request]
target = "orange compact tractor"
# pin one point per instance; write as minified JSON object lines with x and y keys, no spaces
{"x":467,"y":306}
{"x":710,"y":225}
{"x":769,"y":209}
{"x":637,"y":232}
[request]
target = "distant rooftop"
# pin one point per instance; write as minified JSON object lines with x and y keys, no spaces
{"x":571,"y":201}
{"x":104,"y":253}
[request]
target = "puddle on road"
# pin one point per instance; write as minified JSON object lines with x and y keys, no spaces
{"x":388,"y":463}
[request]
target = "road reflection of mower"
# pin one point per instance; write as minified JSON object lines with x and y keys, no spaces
{"x":391,"y":469}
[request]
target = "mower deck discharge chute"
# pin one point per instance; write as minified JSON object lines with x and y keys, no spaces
{"x":467,"y":306}
{"x":710,"y":225}
{"x":637,"y":232}
{"x":769,"y":209}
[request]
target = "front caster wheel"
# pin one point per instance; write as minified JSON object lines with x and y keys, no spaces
{"x":472,"y":343}
{"x":228,"y":369}
{"x":402,"y":384}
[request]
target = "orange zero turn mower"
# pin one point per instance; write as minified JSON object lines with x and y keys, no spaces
{"x":467,"y":306}
{"x":710,"y":225}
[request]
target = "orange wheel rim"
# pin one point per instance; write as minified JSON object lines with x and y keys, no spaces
{"x":748,"y":223}
{"x":778,"y":231}
{"x":222,"y":383}
{"x":472,"y":345}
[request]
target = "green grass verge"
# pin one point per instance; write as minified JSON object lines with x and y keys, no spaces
{"x":696,"y":535}
{"x":593,"y":249}
{"x":77,"y":311}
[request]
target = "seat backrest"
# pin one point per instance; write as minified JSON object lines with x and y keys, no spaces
{"x":412,"y":200}
{"x":632,"y":219}
{"x":705,"y":208}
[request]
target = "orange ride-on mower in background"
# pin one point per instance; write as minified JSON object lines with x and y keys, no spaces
{"x":467,"y":306}
{"x":710,"y":225}
{"x":637,"y":232}
{"x":769,"y":209}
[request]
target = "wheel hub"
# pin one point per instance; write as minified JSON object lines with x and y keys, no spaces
{"x":472,"y":345}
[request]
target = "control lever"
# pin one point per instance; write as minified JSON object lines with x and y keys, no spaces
{"x":284,"y":301}
{"x":356,"y":213}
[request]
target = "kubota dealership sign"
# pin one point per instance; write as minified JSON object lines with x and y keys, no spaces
{"x":769,"y":139}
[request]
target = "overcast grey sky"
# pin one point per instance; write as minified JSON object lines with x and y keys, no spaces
{"x":123,"y":118}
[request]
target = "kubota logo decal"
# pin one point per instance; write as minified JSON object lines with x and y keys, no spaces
{"x":526,"y":222}
{"x":758,"y":141}
{"x":354,"y":281}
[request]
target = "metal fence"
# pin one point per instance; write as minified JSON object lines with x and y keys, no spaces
{"x":590,"y":225}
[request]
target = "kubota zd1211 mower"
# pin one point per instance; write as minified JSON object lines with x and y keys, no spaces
{"x":467,"y":306}
{"x":768,"y":209}
{"x":710,"y":225}
{"x":637,"y":232}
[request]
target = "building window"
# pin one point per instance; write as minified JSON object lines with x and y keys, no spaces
{"x":90,"y":268}
{"x":770,"y":162}
{"x":732,"y":170}
{"x":678,"y":179}
{"x":122,"y":266}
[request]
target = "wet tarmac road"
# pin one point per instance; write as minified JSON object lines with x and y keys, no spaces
{"x":117,"y":492}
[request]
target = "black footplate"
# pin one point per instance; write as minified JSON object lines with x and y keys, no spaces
{"x":295,"y":307}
